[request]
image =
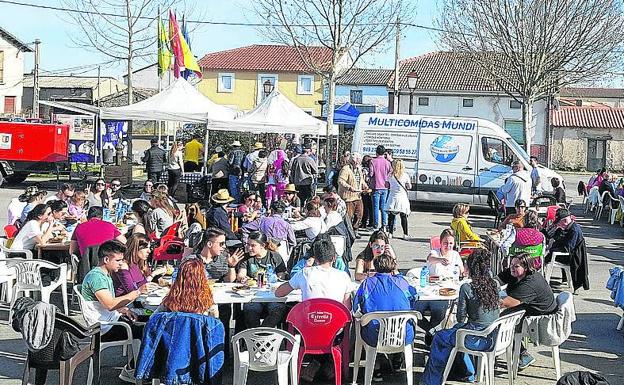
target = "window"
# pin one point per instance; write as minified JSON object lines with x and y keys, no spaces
{"x":1,"y":67}
{"x":262,"y":79}
{"x":305,"y":84}
{"x":516,"y":130}
{"x":515,"y":105}
{"x":423,"y":101}
{"x":496,"y":151}
{"x":468,"y":102}
{"x":225,"y":82}
{"x":356,"y":97}
{"x":9,"y":104}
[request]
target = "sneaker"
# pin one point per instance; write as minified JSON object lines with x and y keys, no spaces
{"x":377,"y":376}
{"x":525,"y":361}
{"x":127,"y":375}
{"x":406,"y":237}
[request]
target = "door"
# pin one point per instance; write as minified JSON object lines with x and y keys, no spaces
{"x":446,"y":167}
{"x":494,"y":166}
{"x":9,"y":105}
{"x":596,"y":154}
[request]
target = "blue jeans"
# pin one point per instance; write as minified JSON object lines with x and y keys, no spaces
{"x":380,"y":204}
{"x":272,"y":312}
{"x":234,"y":187}
{"x":437,"y":310}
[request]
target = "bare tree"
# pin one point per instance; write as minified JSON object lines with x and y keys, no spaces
{"x":121,"y":30}
{"x":532,"y":48}
{"x":350,"y":29}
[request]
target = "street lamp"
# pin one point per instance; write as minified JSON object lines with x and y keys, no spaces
{"x":412,"y":81}
{"x":268,"y":87}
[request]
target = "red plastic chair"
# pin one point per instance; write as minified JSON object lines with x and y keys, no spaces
{"x":319,"y":321}
{"x":171,"y":246}
{"x":434,"y":243}
{"x":10,"y":231}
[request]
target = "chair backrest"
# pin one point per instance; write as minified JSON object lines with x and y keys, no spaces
{"x":10,"y":231}
{"x":81,"y":300}
{"x":28,"y":272}
{"x":339,"y":242}
{"x":263,"y":345}
{"x":506,"y":330}
{"x":392,"y":328}
{"x":594,"y":195}
{"x":434,"y":242}
{"x":551,"y":211}
{"x":318,"y":321}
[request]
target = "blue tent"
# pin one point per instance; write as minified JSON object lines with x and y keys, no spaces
{"x":346,"y":114}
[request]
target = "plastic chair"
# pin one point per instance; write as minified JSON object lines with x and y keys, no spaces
{"x":601,"y":206}
{"x":562,"y":299}
{"x":551,"y":212}
{"x":125,"y":344}
{"x":391,"y":339}
{"x":434,"y":242}
{"x":10,"y":231}
{"x":319,"y":321}
{"x":284,"y":251}
{"x":548,"y":269}
{"x":48,"y":358}
{"x":505,"y":329}
{"x":593,"y":199}
{"x":171,"y":246}
{"x":497,"y":208}
{"x":28,"y":278}
{"x":340,"y":243}
{"x":263,"y":354}
{"x":27,"y":254}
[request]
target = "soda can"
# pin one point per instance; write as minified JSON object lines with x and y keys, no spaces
{"x":260,"y":279}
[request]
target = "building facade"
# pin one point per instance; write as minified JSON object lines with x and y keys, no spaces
{"x":147,"y":77}
{"x":365,"y":89}
{"x":12,"y":53}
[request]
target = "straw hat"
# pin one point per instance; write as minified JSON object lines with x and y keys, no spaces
{"x":236,"y":143}
{"x":258,"y":146}
{"x":291,"y":188}
{"x":30,"y":192}
{"x":222,"y":196}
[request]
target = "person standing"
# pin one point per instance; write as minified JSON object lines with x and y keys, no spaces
{"x":175,"y":167}
{"x":536,"y":180}
{"x":517,"y":186}
{"x":235,"y":157}
{"x":398,"y":200}
{"x":379,"y":172}
{"x":367,"y":196}
{"x":302,"y":173}
{"x":219,"y":169}
{"x":351,"y":183}
{"x":192,"y":153}
{"x":155,"y":159}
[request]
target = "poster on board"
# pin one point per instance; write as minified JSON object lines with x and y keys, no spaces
{"x":81,"y":127}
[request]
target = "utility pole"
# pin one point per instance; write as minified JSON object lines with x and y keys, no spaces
{"x":396,"y":65}
{"x":98,"y":88}
{"x":35,"y":107}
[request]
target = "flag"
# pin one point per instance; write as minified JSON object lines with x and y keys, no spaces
{"x":190,"y":63}
{"x":164,"y":55}
{"x":176,"y":45}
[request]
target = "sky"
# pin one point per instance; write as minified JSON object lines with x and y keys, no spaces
{"x":58,"y":52}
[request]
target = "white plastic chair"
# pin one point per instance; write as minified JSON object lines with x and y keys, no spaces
{"x":548,"y":269}
{"x":264,"y":354}
{"x":28,"y":278}
{"x":562,"y":299}
{"x":391,"y":339}
{"x":600,"y":207}
{"x":27,"y":254}
{"x":339,"y":242}
{"x":593,"y":199}
{"x":503,"y":345}
{"x":284,"y":251}
{"x":125,"y":344}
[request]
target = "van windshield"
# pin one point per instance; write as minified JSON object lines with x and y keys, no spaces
{"x":518,"y":149}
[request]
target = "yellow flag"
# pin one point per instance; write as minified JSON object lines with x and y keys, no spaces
{"x":164,"y":55}
{"x":190,"y":63}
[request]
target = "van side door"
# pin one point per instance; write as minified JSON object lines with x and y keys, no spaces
{"x":446,"y":167}
{"x":494,"y":165}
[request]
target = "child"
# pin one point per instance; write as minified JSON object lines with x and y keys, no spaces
{"x":76,"y":208}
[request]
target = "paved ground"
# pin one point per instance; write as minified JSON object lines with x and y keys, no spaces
{"x":594,"y":345}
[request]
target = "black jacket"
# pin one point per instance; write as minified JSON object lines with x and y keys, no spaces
{"x":155,"y":159}
{"x":582,"y":378}
{"x":217,"y":217}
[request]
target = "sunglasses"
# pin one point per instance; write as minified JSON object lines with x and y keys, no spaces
{"x":115,"y":185}
{"x":378,"y":247}
{"x":100,"y":184}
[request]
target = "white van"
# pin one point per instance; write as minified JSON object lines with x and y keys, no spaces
{"x":449,"y":159}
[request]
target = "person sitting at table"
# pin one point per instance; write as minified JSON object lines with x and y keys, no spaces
{"x":558,"y":190}
{"x":65,"y":193}
{"x":162,"y":215}
{"x":331,"y":192}
{"x":246,"y":209}
{"x":93,"y":232}
{"x":516,"y":219}
{"x":274,"y":226}
{"x":190,"y":292}
{"x":98,"y":194}
{"x":332,"y":216}
{"x":312,"y":224}
{"x":141,"y":210}
{"x":76,"y":206}
{"x":460,"y":224}
{"x":101,"y":304}
{"x":477,"y":308}
{"x":135,"y":272}
{"x":529,"y":237}
{"x":378,"y":243}
{"x":218,"y":215}
{"x":261,"y":254}
{"x":259,"y":207}
{"x":291,"y":198}
{"x":526,"y":290}
{"x":33,"y":197}
{"x":32,"y":232}
{"x":148,"y":189}
{"x":59,"y":211}
{"x":384,"y":291}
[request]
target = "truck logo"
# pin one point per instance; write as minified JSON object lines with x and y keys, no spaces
{"x":444,"y":149}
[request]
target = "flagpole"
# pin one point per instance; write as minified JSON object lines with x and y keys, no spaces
{"x":158,"y":71}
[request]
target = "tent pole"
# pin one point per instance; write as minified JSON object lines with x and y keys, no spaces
{"x":204,"y":168}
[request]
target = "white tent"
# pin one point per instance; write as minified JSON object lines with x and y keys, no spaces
{"x":180,"y":101}
{"x":275,"y":114}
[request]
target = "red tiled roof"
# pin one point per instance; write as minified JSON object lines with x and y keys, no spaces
{"x":279,"y":58}
{"x":365,"y":76}
{"x":588,"y":117}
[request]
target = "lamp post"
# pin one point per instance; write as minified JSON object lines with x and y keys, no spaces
{"x":322,"y":103}
{"x":412,"y":81}
{"x":267,"y":87}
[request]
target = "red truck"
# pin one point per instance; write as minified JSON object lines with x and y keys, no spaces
{"x":32,"y":147}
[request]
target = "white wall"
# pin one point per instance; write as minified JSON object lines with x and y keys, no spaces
{"x":148,"y":78}
{"x":491,"y":107}
{"x":13,"y":75}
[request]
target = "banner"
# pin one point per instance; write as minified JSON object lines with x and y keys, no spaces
{"x":115,"y":131}
{"x":81,"y":127}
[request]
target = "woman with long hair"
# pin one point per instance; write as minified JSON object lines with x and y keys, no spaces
{"x":141,"y":210}
{"x":477,"y":308}
{"x":135,"y":271}
{"x":175,"y":166}
{"x":190,"y":292}
{"x":460,"y":224}
{"x":98,"y":194}
{"x":398,"y":201}
{"x":162,"y":215}
{"x":148,"y":189}
{"x":31,"y":233}
{"x":378,"y":243}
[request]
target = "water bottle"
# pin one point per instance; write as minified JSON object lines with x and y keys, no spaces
{"x":270,"y":272}
{"x":424,"y":276}
{"x":456,"y":274}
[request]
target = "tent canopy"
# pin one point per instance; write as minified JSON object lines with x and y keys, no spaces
{"x":346,"y":114}
{"x":180,"y":101}
{"x":275,"y":114}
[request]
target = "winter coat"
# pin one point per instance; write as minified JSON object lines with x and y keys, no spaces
{"x":35,"y":320}
{"x":155,"y":159}
{"x":553,"y":329}
{"x":616,"y":285}
{"x":582,"y":378}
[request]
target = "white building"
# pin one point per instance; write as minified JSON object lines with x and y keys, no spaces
{"x":147,"y":77}
{"x":11,"y":73}
{"x":447,"y":85}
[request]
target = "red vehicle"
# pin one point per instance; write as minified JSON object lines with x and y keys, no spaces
{"x":32,"y":147}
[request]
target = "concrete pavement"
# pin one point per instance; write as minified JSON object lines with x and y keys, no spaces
{"x":594,"y":345}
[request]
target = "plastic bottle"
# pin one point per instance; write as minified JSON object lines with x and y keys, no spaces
{"x":424,"y":276}
{"x":270,"y":272}
{"x":456,"y":274}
